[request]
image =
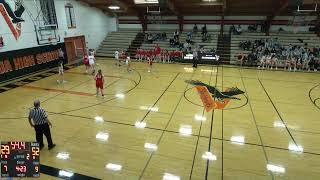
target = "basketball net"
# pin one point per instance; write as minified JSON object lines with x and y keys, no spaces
{"x":52,"y":41}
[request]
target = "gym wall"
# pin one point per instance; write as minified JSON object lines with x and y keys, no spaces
{"x":90,"y":22}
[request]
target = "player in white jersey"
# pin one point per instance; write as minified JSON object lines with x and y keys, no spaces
{"x":116,"y":57}
{"x":128,"y":63}
{"x":61,"y":73}
{"x":92,"y":63}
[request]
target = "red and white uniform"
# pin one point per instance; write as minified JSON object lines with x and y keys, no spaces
{"x":99,"y":81}
{"x":86,"y":60}
{"x":157,"y":50}
{"x":61,"y":69}
{"x":150,"y":61}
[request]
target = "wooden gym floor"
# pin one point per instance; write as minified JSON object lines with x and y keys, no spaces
{"x":276,"y":123}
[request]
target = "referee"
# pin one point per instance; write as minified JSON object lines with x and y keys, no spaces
{"x":38,"y":119}
{"x":195,"y":58}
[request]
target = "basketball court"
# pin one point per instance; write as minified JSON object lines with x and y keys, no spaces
{"x":153,"y":125}
{"x":227,"y":119}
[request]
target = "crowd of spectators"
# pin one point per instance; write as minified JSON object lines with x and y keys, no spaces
{"x":236,"y":30}
{"x":269,"y":53}
{"x":150,"y":37}
{"x":186,"y":47}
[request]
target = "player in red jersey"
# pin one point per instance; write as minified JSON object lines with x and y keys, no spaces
{"x":150,"y":64}
{"x":99,"y":82}
{"x":122,"y":56}
{"x":86,"y":62}
{"x":157,"y":53}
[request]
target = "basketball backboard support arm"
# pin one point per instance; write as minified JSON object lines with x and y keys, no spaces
{"x":308,"y":10}
{"x":45,"y":32}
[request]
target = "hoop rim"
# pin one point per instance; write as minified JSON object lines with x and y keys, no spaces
{"x":52,"y":41}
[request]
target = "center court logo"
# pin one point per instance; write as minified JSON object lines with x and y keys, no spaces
{"x":213,"y":98}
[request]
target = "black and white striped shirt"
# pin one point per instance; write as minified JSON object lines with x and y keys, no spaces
{"x":38,"y":115}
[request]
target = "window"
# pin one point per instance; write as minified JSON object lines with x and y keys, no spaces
{"x":49,"y":12}
{"x":71,"y":19}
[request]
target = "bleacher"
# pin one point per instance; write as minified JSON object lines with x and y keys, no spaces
{"x":183,"y":37}
{"x":284,"y":38}
{"x":116,"y":41}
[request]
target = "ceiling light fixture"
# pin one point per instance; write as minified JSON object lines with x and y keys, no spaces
{"x":114,"y":7}
{"x":146,"y":1}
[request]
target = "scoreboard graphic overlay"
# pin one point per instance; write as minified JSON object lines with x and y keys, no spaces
{"x":20,"y":159}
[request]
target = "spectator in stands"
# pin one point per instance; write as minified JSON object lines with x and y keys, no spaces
{"x":212,"y":50}
{"x":232,"y":29}
{"x":252,"y":58}
{"x":189,"y":35}
{"x":176,"y":42}
{"x":264,"y":26}
{"x":313,"y":63}
{"x":186,"y":45}
{"x":164,"y":36}
{"x":294,"y":61}
{"x":146,"y":35}
{"x":157,"y":37}
{"x":239,"y":29}
{"x":287,"y":63}
{"x":150,"y":38}
{"x":171,"y":41}
{"x":204,"y":31}
{"x":253,"y":28}
{"x":262,"y":61}
{"x":305,"y":60}
{"x":273,"y":62}
{"x":195,"y":29}
{"x":176,"y":34}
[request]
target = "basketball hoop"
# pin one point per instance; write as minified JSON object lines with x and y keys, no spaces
{"x":52,"y":41}
{"x":299,"y":19}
